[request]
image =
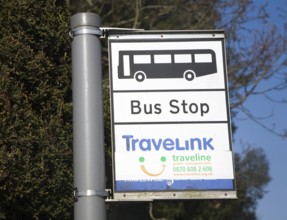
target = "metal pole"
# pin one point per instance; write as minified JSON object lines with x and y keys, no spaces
{"x":88,"y":126}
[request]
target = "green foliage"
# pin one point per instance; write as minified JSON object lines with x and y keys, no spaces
{"x":35,"y":111}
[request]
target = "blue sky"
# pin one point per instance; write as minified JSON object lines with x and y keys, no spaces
{"x":273,"y":205}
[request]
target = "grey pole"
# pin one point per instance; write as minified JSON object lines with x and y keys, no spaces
{"x":88,"y":126}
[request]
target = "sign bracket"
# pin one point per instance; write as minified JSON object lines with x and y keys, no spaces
{"x":91,"y":192}
{"x":112,"y":30}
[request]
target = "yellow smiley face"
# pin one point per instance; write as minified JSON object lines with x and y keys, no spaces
{"x":142,"y":159}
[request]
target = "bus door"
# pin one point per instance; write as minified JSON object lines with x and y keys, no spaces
{"x":126,"y":65}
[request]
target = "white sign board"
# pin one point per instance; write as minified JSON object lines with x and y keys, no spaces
{"x":170,"y":116}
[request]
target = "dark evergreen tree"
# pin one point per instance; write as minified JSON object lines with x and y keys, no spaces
{"x":35,"y":111}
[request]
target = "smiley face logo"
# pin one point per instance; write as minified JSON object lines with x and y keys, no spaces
{"x":143,"y":168}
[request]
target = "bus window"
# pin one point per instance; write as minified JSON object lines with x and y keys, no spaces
{"x":162,"y":58}
{"x":142,"y":59}
{"x":203,"y":58}
{"x":182,"y":58}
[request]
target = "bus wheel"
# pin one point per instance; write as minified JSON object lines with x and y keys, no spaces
{"x":140,"y":76}
{"x":189,"y":75}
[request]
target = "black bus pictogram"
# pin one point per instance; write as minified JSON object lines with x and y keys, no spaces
{"x":145,"y":64}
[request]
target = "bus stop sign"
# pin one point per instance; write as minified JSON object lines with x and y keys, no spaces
{"x":170,"y":116}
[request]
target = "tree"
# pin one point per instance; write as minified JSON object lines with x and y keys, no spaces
{"x":256,"y":53}
{"x":35,"y":111}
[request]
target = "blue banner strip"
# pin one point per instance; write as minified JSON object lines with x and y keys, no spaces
{"x":174,"y":185}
